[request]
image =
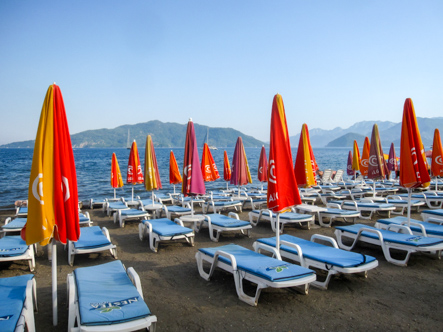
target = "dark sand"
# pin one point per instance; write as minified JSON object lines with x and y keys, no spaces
{"x":392,"y":298}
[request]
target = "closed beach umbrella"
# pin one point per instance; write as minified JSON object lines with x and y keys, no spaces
{"x":208,"y":167}
{"x":52,"y":196}
{"x":413,"y":165}
{"x":116,"y":175}
{"x":282,"y":185}
{"x":152,"y":176}
{"x":262,"y":173}
{"x":135,"y":174}
{"x":355,"y":158}
{"x":364,"y":163}
{"x":392,"y":159}
{"x":240,"y":175}
{"x":226,"y":169}
{"x":193,"y":183}
{"x":349,"y":170}
{"x":174,"y":172}
{"x":437,"y":152}
{"x":377,"y":165}
{"x":305,"y":164}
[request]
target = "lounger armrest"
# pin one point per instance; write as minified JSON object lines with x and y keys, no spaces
{"x":106,"y":233}
{"x":393,"y":197}
{"x":233,"y":215}
{"x":8,"y":220}
{"x":324,"y":238}
{"x":333,"y":206}
{"x":422,"y":228}
{"x":179,"y":222}
{"x":367,"y":200}
{"x":399,"y":229}
{"x":298,"y":249}
{"x":135,"y":280}
{"x":87,"y":215}
{"x":434,"y":220}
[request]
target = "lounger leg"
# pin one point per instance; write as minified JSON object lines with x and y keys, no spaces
{"x":141,"y":231}
{"x":252,"y":301}
{"x":30,"y":299}
{"x":71,"y":302}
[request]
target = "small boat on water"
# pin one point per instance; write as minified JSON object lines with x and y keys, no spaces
{"x":211,"y":147}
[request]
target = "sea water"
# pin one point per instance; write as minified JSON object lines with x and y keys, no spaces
{"x":94,"y":170}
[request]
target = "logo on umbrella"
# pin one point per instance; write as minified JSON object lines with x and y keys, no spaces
{"x":272,"y":177}
{"x":187,"y":170}
{"x":373,"y":160}
{"x":364,"y":162}
{"x":37,"y":188}
{"x":439,"y":160}
{"x":66,"y":183}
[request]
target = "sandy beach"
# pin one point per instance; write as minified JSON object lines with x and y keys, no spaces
{"x":392,"y":298}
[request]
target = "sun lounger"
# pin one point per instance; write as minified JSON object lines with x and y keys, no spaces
{"x":129,"y":214}
{"x":106,"y":297}
{"x":334,"y":211}
{"x":255,"y":216}
{"x":388,"y":240}
{"x":175,"y":210}
{"x":402,"y":204}
{"x":218,"y":206}
{"x":21,"y":211}
{"x":163,"y":198}
{"x":431,"y":198}
{"x":18,"y":300}
{"x":255,"y":201}
{"x":13,"y":225}
{"x":259,"y":269}
{"x":417,"y":227}
{"x":112,"y":207}
{"x":366,"y":205}
{"x":91,"y":240}
{"x":218,"y":223}
{"x":13,"y":248}
{"x":163,"y":229}
{"x":85,"y":219}
{"x":435,"y":215}
{"x":311,"y":254}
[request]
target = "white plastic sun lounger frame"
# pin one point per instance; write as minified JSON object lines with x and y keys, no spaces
{"x":145,"y":230}
{"x":144,"y":215}
{"x":283,"y":222}
{"x":245,"y":230}
{"x":385,"y":245}
{"x":404,"y":207}
{"x":109,"y":210}
{"x":365,"y":208}
{"x":29,"y":306}
{"x":308,"y":263}
{"x":301,"y":284}
{"x":148,"y":323}
{"x":88,"y":222}
{"x":28,"y":255}
{"x":217,"y":209}
{"x":72,"y":251}
{"x":333,"y":216}
{"x":169,"y":214}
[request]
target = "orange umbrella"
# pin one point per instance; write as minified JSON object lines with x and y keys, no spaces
{"x":135,"y":174}
{"x":152,"y":176}
{"x":355,"y":158}
{"x":174,"y":172}
{"x":437,"y":153}
{"x":305,"y":164}
{"x":364,"y":162}
{"x":116,"y":175}
{"x":226,"y":169}
{"x":413,"y":165}
{"x":209,"y":169}
{"x":262,"y":173}
{"x":52,"y":196}
{"x":282,"y":185}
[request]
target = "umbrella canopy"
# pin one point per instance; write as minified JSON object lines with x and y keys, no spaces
{"x":116,"y":175}
{"x":134,"y":174}
{"x":305,"y":164}
{"x":208,"y":167}
{"x":193,"y":183}
{"x":226,"y":167}
{"x":392,"y":159}
{"x":364,"y":162}
{"x":174,"y":172}
{"x":282,"y":185}
{"x":437,"y":152}
{"x":152,"y":176}
{"x":262,"y":173}
{"x":240,"y":175}
{"x":52,"y":196}
{"x":349,"y":170}
{"x":377,"y":167}
{"x":356,"y":158}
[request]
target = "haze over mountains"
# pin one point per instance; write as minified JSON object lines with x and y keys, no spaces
{"x":173,"y":135}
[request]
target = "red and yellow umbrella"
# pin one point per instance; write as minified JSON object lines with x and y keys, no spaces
{"x":305,"y":164}
{"x":174,"y":172}
{"x":134,"y":174}
{"x":208,"y":167}
{"x":364,"y":162}
{"x":226,"y":169}
{"x":116,"y":175}
{"x":152,"y":177}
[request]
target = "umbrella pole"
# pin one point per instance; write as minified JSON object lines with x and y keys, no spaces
{"x":192,"y":206}
{"x":174,"y":187}
{"x":152,"y":197}
{"x":114,"y":193}
{"x":132,"y":199}
{"x":409,"y":206}
{"x":373,"y":192}
{"x":54,"y":283}
{"x":277,"y":232}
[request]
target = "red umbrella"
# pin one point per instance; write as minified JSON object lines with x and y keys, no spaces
{"x":193,"y":183}
{"x":208,"y":167}
{"x":240,"y":169}
{"x":226,"y":169}
{"x":135,"y":174}
{"x":116,"y":175}
{"x":413,"y":165}
{"x":392,"y":161}
{"x":282,"y":185}
{"x":52,"y":196}
{"x":174,"y":173}
{"x":262,"y":166}
{"x":349,"y":170}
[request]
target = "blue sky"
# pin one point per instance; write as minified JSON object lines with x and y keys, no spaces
{"x":220,"y":62}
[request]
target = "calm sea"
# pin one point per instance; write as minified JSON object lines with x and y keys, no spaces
{"x":94,"y":168}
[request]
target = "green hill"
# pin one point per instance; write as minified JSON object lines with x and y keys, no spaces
{"x":346,"y":140}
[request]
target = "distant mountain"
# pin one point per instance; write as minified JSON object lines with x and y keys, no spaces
{"x":163,"y":134}
{"x":389,"y":132}
{"x":346,"y":140}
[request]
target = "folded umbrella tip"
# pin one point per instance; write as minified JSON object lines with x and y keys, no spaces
{"x":190,"y":119}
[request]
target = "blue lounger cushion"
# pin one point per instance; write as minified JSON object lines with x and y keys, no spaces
{"x":23,"y":210}
{"x":435,"y":212}
{"x":91,"y":237}
{"x":107,"y":295}
{"x":12,"y":298}
{"x":12,"y":246}
{"x":224,"y":221}
{"x":226,"y":203}
{"x":389,"y":236}
{"x":117,"y":205}
{"x":370,"y":205}
{"x":133,"y":212}
{"x":340,"y":212}
{"x":320,"y":252}
{"x":286,"y":216}
{"x":166,"y":227}
{"x":176,"y":208}
{"x":402,"y":201}
{"x":430,"y":228}
{"x":17,"y":223}
{"x":260,"y":265}
{"x":83,"y":218}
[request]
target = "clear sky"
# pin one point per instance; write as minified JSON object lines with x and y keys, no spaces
{"x":220,"y":62}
